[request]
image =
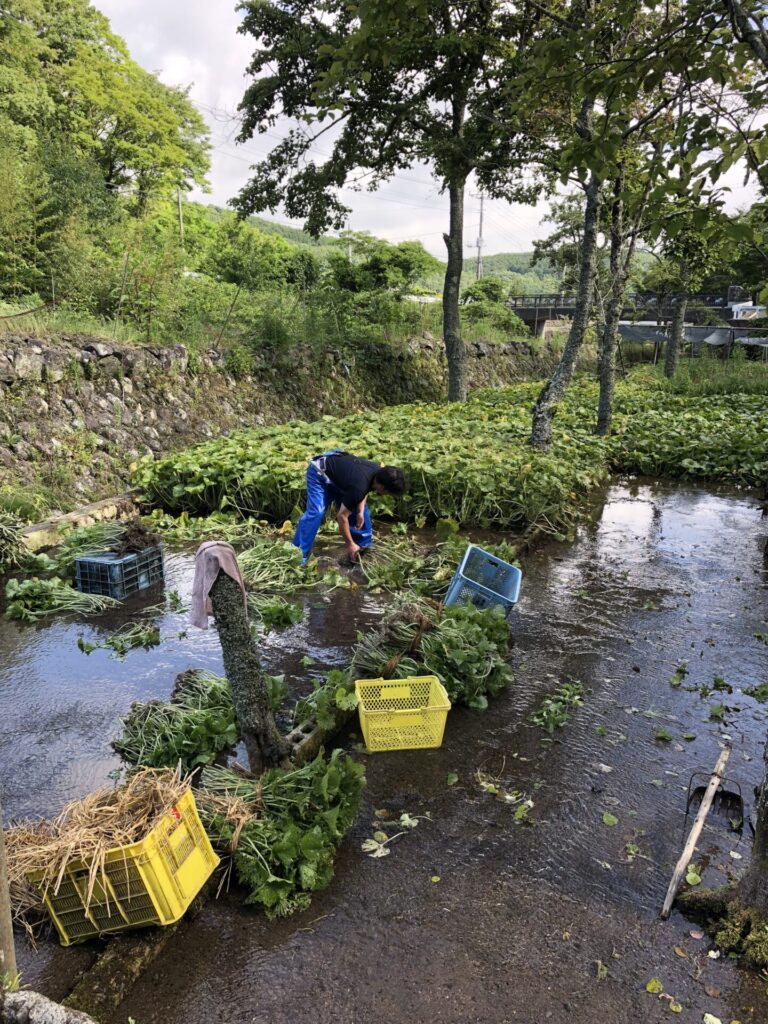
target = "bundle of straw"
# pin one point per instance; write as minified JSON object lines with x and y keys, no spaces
{"x":85,"y":830}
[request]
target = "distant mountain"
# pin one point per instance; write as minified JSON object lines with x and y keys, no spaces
{"x":502,"y":263}
{"x":295,"y":235}
{"x":271,"y":227}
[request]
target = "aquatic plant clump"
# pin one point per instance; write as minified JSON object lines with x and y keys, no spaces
{"x":464,"y":646}
{"x":86,"y":540}
{"x":470,"y":462}
{"x":190,"y":730}
{"x":282,"y":830}
{"x":13,"y":553}
{"x":34,"y":599}
{"x":219,"y":526}
{"x":711,"y":437}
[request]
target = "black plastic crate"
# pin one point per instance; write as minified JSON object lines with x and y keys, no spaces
{"x":119,"y":575}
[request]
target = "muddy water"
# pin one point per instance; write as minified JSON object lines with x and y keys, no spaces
{"x":524,"y":917}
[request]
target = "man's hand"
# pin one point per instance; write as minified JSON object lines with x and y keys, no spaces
{"x":353,"y":551}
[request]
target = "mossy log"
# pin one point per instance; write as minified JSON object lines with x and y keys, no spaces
{"x":106,"y":984}
{"x":734,"y":926}
{"x":265,"y":746}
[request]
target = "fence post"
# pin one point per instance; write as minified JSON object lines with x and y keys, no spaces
{"x":7,"y":948}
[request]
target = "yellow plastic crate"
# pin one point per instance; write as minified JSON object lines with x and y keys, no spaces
{"x":402,"y":714}
{"x":151,"y":882}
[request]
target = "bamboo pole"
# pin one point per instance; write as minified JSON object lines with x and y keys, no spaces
{"x":7,"y":948}
{"x":698,"y":824}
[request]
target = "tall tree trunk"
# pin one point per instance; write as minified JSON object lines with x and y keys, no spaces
{"x":553,"y":391}
{"x":675,"y":337}
{"x":753,"y":887}
{"x":609,"y":333}
{"x":748,"y":26}
{"x":263,"y":742}
{"x":622,"y":252}
{"x":454,"y":345}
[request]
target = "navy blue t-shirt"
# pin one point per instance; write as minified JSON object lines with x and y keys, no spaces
{"x":353,"y":477}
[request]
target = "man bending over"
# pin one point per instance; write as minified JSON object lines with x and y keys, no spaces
{"x":344,"y":480}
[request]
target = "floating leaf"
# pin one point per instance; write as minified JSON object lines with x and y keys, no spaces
{"x":714,"y":954}
{"x":451,"y":779}
{"x":734,"y":855}
{"x":654,"y":986}
{"x":374,"y":848}
{"x":610,"y":819}
{"x":408,"y":822}
{"x":381,"y":813}
{"x":692,"y":875}
{"x":601,"y":970}
{"x":710,"y":1018}
{"x":696,"y":933}
{"x":679,"y":951}
{"x":435,"y":878}
{"x":675,"y":1007}
{"x":380,"y":837}
{"x":523,"y":809}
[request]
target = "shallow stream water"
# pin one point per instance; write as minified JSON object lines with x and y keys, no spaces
{"x":526,"y":918}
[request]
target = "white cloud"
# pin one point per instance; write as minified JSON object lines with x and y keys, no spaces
{"x":195,"y":43}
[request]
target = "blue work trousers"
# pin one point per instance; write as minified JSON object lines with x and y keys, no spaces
{"x":321,"y":494}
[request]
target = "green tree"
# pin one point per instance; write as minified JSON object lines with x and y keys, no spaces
{"x":621,"y":66}
{"x":371,"y":264}
{"x":386,"y":85}
{"x":487,"y":289}
{"x":241,"y":254}
{"x":693,"y":240}
{"x":25,"y":102}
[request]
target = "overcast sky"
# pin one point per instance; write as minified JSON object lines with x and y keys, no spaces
{"x":195,"y":43}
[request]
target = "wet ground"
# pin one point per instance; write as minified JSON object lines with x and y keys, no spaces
{"x":475,"y":917}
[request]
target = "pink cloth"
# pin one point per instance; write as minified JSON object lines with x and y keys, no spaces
{"x":212,"y":557}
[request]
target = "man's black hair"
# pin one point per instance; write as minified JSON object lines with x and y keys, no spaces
{"x":392,"y":479}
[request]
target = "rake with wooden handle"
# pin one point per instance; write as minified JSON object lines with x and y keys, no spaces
{"x":698,"y":824}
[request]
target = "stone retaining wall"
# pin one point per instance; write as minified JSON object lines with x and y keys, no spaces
{"x":75,"y":410}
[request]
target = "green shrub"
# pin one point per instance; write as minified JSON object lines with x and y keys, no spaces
{"x":238,"y":362}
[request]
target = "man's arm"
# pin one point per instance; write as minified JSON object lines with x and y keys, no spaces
{"x":343,"y":520}
{"x":361,"y":513}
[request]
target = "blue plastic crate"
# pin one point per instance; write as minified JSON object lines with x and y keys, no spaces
{"x":119,"y":576}
{"x":484,"y":580}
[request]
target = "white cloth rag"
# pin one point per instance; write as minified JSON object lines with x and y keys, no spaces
{"x":213,"y":557}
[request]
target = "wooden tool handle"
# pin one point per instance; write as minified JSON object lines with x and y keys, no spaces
{"x":698,"y":824}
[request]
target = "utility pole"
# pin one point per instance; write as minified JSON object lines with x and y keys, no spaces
{"x":7,"y":948}
{"x":479,"y":266}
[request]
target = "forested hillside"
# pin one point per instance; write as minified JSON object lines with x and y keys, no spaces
{"x":97,"y":157}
